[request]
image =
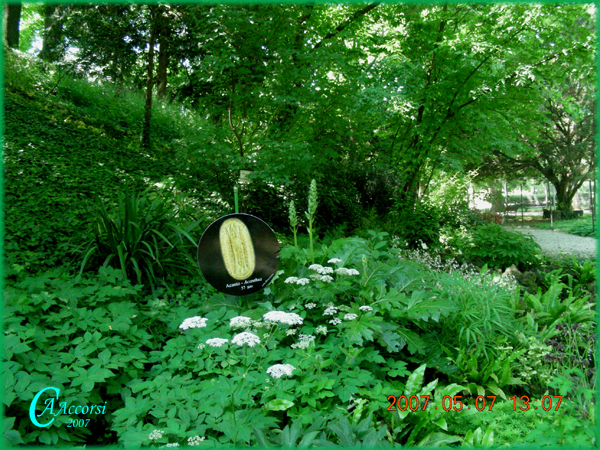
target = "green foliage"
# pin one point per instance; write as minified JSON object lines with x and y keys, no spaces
{"x":101,"y":335}
{"x":417,"y":226}
{"x":483,"y":311}
{"x":422,"y":426}
{"x":24,"y":74}
{"x":504,"y":425}
{"x":576,"y":423}
{"x":584,"y":228}
{"x":478,"y":438}
{"x":559,"y":304}
{"x":294,"y":221}
{"x":581,"y":227}
{"x":297,"y":112}
{"x":498,"y":248}
{"x":482,"y":377}
{"x":141,"y":238}
{"x":291,"y":436}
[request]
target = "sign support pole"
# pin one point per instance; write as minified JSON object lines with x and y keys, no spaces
{"x":235,"y":196}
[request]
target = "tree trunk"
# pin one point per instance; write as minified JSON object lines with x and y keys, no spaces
{"x":163,"y":58}
{"x":51,"y":51}
{"x":565,"y":192}
{"x":149,"y":85}
{"x":12,"y":18}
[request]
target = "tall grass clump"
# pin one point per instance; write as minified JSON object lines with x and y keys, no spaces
{"x":142,"y":238}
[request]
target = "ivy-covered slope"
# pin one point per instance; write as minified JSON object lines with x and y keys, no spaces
{"x":57,"y":164}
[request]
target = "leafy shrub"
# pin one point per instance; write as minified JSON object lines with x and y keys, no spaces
{"x":24,"y":73}
{"x":498,"y":248}
{"x":583,"y":228}
{"x":417,"y":225}
{"x":266,"y":202}
{"x":141,"y":238}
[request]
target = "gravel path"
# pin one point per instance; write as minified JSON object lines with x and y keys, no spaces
{"x":557,"y":242}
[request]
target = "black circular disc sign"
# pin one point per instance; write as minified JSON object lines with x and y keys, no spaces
{"x":238,"y":254}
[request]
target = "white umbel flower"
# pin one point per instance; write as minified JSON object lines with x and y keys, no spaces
{"x":240,"y":322}
{"x":326,"y":279}
{"x":330,"y":311}
{"x":350,"y":316}
{"x":353,"y":272}
{"x":193,"y":441}
{"x":335,"y":322}
{"x":342,"y":271}
{"x":365,"y":308}
{"x":216,"y":342}
{"x":304,"y":341}
{"x":193,"y":322}
{"x":334,"y":261}
{"x":245,"y":338}
{"x":326,"y":270}
{"x":155,"y":435}
{"x":316,"y":267}
{"x":278,"y":370}
{"x":283,"y":317}
{"x":290,"y":280}
{"x":303,"y":281}
{"x":310,"y":305}
{"x":321,"y":329}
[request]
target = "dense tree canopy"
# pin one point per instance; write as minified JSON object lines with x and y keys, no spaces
{"x":418,"y":88}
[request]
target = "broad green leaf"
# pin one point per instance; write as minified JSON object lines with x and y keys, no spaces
{"x":278,"y":404}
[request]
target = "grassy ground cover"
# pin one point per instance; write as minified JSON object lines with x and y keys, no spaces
{"x":580,"y":227}
{"x":352,"y":332}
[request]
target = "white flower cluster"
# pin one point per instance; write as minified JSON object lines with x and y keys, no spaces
{"x":173,"y":444}
{"x":156,"y":435}
{"x":240,"y":322}
{"x":291,"y":332}
{"x":245,"y":338}
{"x":344,"y":271}
{"x":278,"y":370}
{"x":350,"y":316}
{"x":330,"y":311}
{"x":259,"y":324}
{"x":320,"y":269}
{"x":335,"y":322}
{"x":365,"y":308}
{"x":468,"y":272}
{"x":326,"y":279}
{"x":193,"y":322}
{"x":216,"y":342}
{"x":321,"y":329}
{"x":310,"y":305}
{"x":192,"y":441}
{"x":305,"y":340}
{"x":283,"y":317}
{"x":296,"y":280}
{"x":334,"y":261}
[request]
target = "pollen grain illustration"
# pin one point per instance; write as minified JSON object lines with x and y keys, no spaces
{"x":237,"y":249}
